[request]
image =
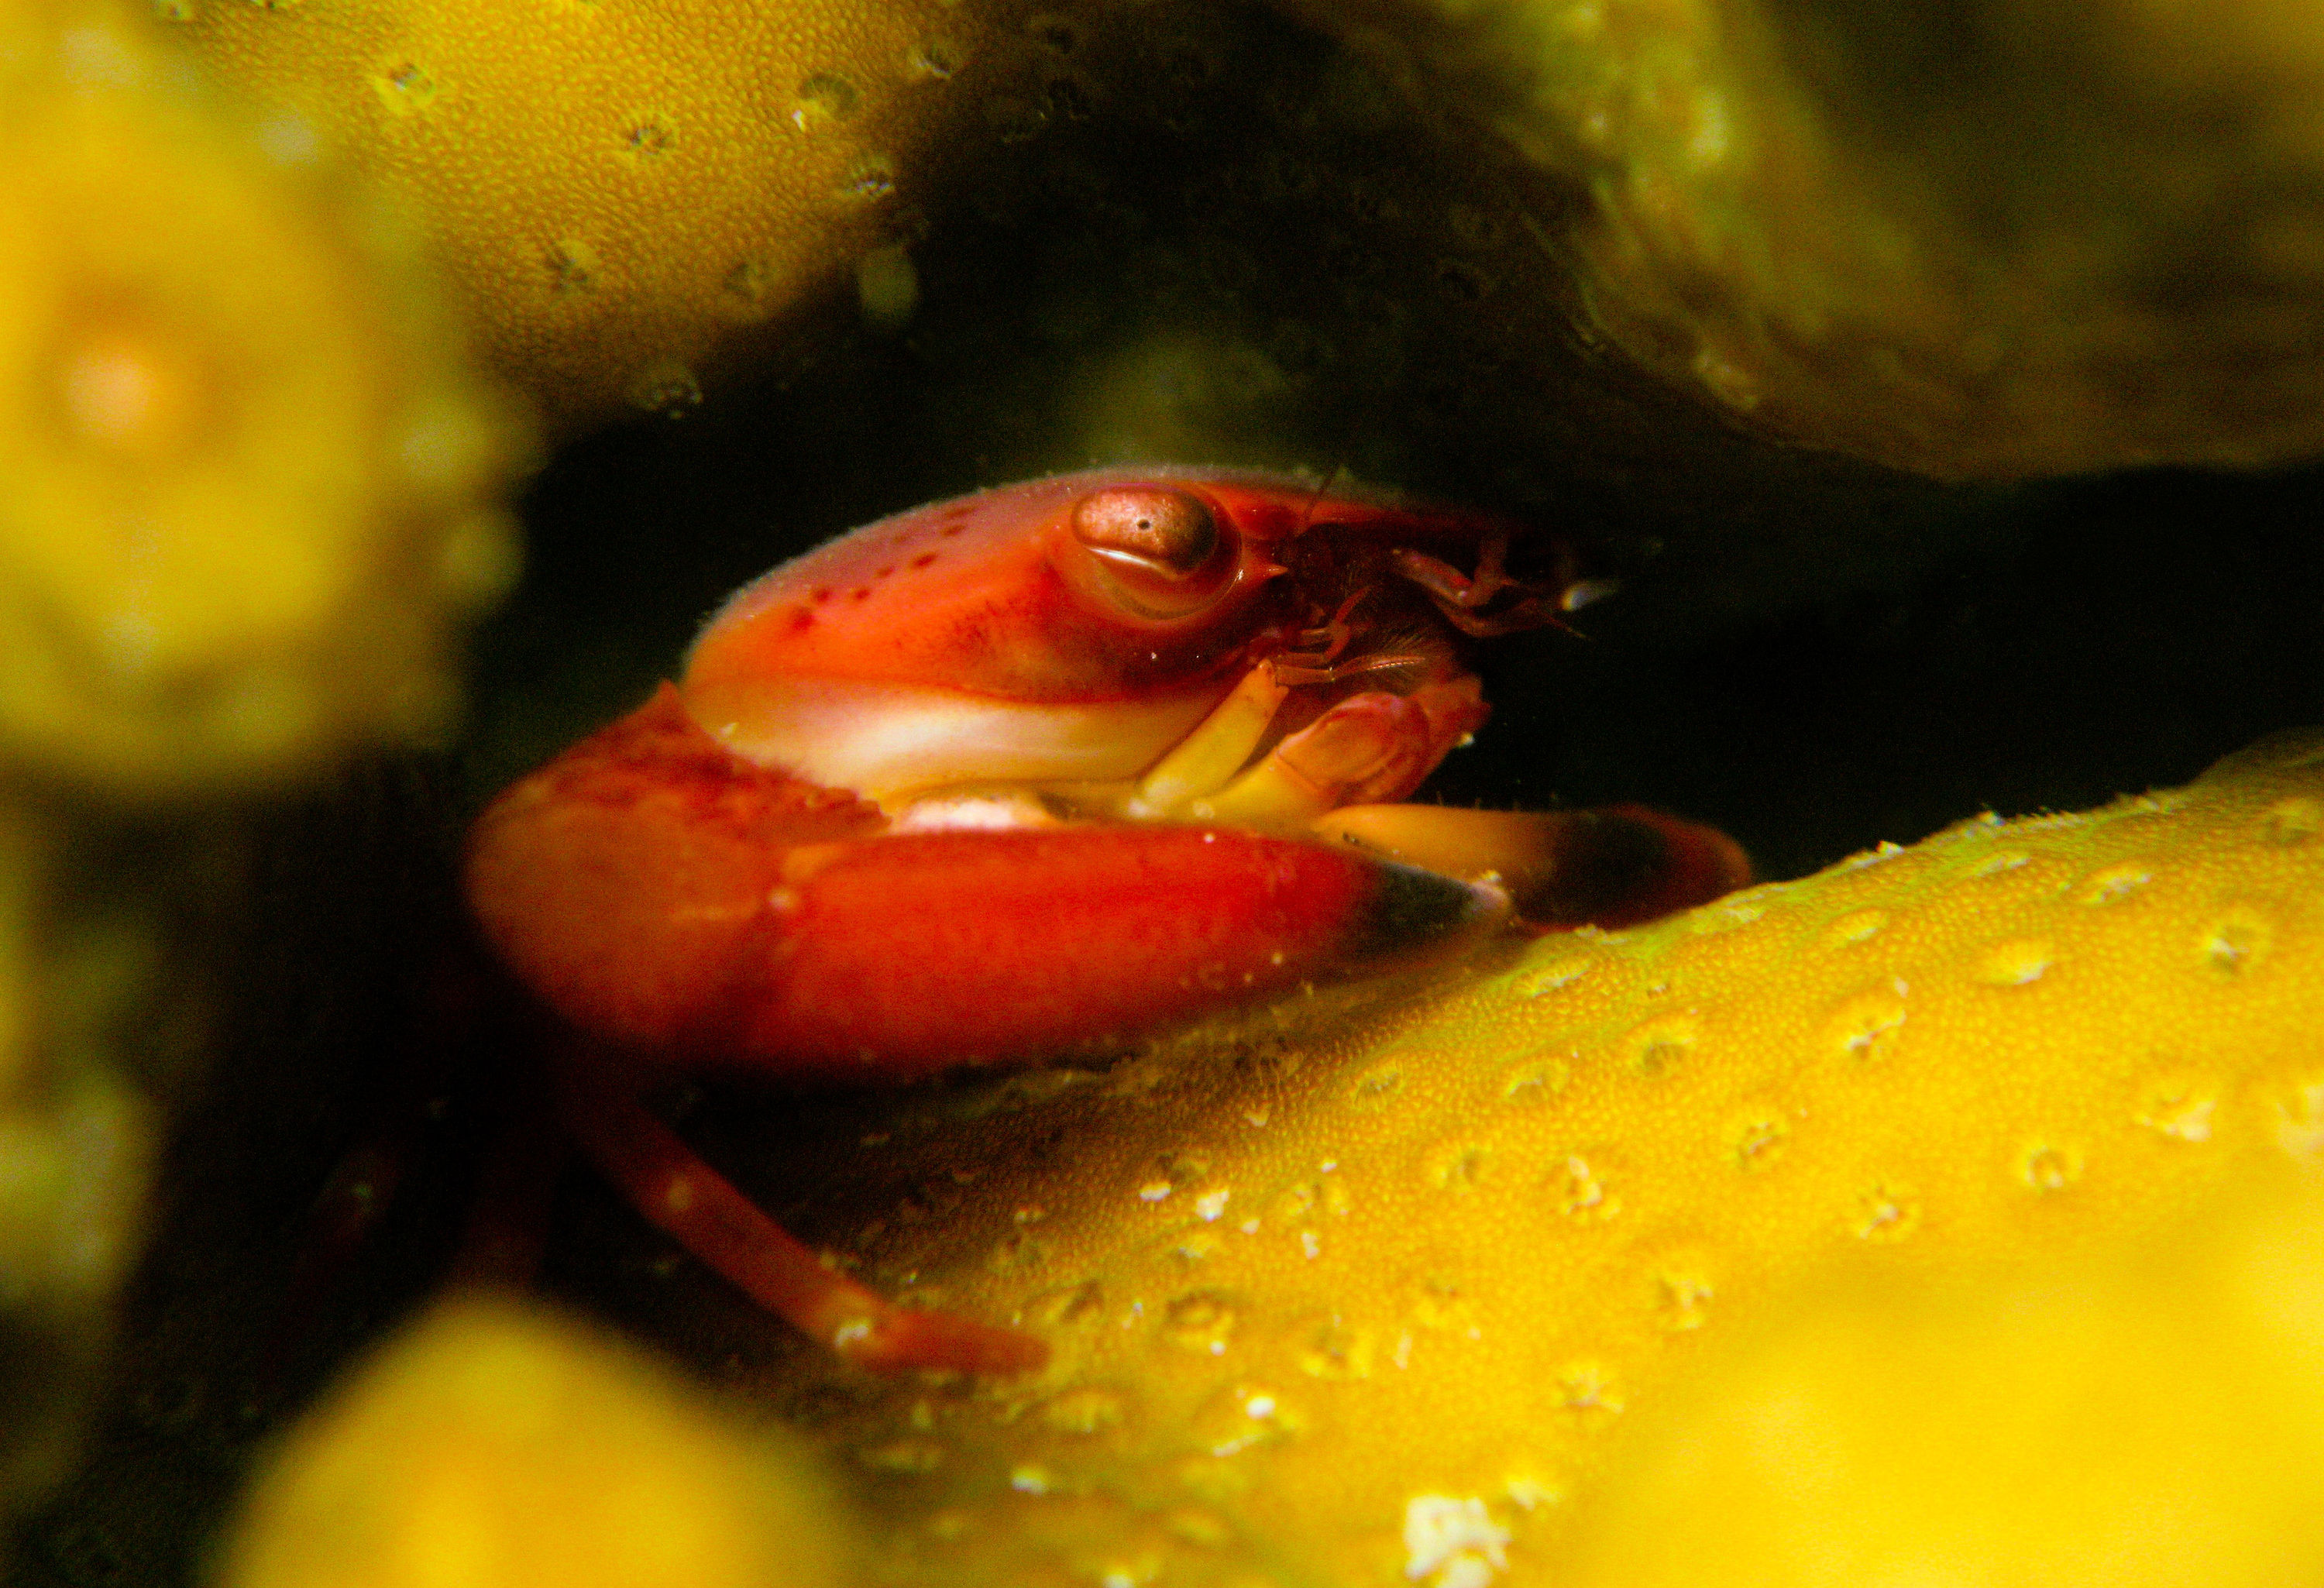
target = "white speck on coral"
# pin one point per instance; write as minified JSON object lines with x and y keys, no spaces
{"x":1154,"y":1191}
{"x":1530,"y":1493}
{"x":1210,"y":1205}
{"x":1310,"y":1244}
{"x":1452,"y":1543}
{"x":1259,"y":1405}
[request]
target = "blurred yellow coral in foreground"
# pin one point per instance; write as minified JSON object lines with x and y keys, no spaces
{"x":497,"y":1444}
{"x":248,"y":496}
{"x":1361,"y":1306}
{"x":245,"y":491}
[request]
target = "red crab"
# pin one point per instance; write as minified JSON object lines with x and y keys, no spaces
{"x":1032,"y":772}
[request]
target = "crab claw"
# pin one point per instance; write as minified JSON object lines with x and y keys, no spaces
{"x":926,"y":951}
{"x":629,"y":882}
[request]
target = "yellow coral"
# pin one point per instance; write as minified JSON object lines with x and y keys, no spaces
{"x":2153,"y":1418}
{"x":244,"y":495}
{"x":1370,"y":1307}
{"x":618,"y":186}
{"x":491,"y":1445}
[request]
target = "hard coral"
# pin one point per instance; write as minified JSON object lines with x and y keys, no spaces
{"x":244,"y":495}
{"x":618,"y":186}
{"x":1347,"y":1306}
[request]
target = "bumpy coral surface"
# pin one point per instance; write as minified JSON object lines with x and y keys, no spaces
{"x":1364,"y":1306}
{"x":491,"y":1443}
{"x":617,"y":186}
{"x":244,"y":494}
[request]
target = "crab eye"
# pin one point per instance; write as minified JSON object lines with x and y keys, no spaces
{"x":1154,"y":548}
{"x":1167,"y":533}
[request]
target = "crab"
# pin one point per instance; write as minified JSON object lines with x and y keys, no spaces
{"x":1034,"y":773}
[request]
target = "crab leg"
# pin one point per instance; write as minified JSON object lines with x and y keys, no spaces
{"x":1375,"y":745}
{"x":1207,"y":759}
{"x":1370,"y":746}
{"x":700,"y":1208}
{"x":1610,"y":868}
